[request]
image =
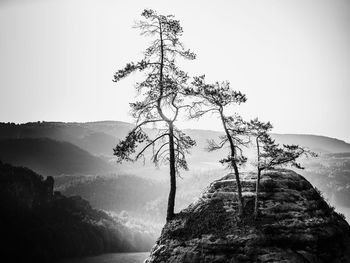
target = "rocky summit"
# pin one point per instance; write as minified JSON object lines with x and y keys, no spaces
{"x":295,"y":225}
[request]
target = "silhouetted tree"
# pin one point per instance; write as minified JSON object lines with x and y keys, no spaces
{"x":271,"y":155}
{"x":161,"y":100}
{"x":260,"y":131}
{"x":214,"y":98}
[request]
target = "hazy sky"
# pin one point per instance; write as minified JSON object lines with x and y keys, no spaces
{"x":291,"y":58}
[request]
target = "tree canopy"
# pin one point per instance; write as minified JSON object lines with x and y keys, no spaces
{"x":161,"y":96}
{"x":270,"y":154}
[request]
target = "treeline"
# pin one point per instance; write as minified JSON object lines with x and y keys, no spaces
{"x":38,"y":225}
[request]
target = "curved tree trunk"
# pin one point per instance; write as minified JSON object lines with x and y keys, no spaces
{"x":234,"y":164}
{"x":172,"y":193}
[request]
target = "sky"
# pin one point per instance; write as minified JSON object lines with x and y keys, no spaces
{"x":290,"y":57}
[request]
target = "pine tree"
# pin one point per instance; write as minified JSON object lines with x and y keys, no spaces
{"x":271,"y":155}
{"x":162,"y":97}
{"x":260,"y":131}
{"x":215,"y":98}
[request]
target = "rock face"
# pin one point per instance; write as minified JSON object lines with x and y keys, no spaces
{"x":295,"y":225}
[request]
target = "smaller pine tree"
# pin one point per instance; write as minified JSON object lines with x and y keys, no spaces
{"x":271,"y":155}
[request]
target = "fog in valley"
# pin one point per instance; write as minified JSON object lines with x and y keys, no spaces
{"x":79,"y":157}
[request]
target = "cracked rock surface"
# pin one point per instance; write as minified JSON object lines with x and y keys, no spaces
{"x":295,"y":225}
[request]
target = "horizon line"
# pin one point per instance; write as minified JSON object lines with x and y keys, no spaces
{"x":185,"y":128}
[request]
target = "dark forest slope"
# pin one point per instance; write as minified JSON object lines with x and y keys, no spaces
{"x":37,"y":225}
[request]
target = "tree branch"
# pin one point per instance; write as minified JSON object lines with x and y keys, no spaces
{"x":148,"y":145}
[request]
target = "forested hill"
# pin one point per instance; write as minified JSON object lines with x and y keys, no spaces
{"x":38,"y":225}
{"x":51,"y":157}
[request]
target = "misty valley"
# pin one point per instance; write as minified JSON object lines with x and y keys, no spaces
{"x":119,"y":207}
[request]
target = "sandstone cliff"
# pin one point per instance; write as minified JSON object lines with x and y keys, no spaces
{"x":296,"y":225}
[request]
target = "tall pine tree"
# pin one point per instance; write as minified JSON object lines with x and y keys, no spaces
{"x":161,"y":99}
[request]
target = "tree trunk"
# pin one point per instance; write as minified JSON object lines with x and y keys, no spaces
{"x":239,"y":188}
{"x":234,"y":164}
{"x":172,"y":193}
{"x":256,"y":207}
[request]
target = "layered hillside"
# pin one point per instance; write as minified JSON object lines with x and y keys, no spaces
{"x":38,"y":225}
{"x":80,"y":149}
{"x":94,"y":137}
{"x":100,"y":137}
{"x":51,"y":157}
{"x":295,"y":225}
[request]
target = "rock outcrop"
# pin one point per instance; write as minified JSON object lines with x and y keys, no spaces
{"x":295,"y":225}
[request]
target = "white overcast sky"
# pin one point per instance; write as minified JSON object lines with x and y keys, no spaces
{"x":290,"y":57}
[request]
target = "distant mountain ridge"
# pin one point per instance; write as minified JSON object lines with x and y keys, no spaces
{"x":315,"y":142}
{"x":96,"y":137}
{"x":100,"y":137}
{"x":51,"y":157}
